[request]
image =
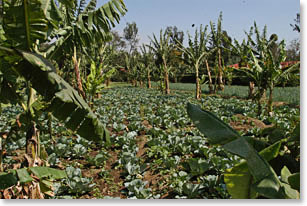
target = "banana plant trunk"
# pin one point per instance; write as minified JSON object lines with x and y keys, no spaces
{"x":211,"y":90}
{"x":198,"y":89}
{"x":108,"y":82}
{"x":270,"y":101}
{"x":251,"y":91}
{"x":220,"y":73}
{"x":77,"y":73}
{"x":166,"y":81}
{"x":260,"y":99}
{"x":148,"y":80}
{"x":134,"y":83}
{"x":32,"y":141}
{"x":166,"y":78}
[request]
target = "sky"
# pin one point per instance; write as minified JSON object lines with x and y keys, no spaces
{"x":238,"y":16}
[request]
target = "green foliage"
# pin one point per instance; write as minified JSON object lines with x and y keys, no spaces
{"x":24,"y":22}
{"x":65,"y":103}
{"x":75,"y":183}
{"x":265,"y":64}
{"x":265,"y":181}
{"x":89,"y":25}
{"x":96,"y":78}
{"x":46,"y":177}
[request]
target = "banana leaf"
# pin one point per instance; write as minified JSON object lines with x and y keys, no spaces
{"x":65,"y":102}
{"x":265,"y":181}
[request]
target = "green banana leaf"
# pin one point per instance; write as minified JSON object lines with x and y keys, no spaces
{"x":7,"y":180}
{"x":65,"y":102}
{"x":239,"y":180}
{"x":24,"y":23}
{"x":23,"y":176}
{"x":265,"y":181}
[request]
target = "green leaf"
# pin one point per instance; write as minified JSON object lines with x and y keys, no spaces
{"x":198,"y":166}
{"x":7,"y":180}
{"x":46,"y":187}
{"x":285,"y":173}
{"x":65,"y":101}
{"x":295,"y":136}
{"x":24,"y":23}
{"x":42,"y":172}
{"x":269,"y":187}
{"x":238,"y":179}
{"x":23,"y":175}
{"x":294,"y":181}
{"x":216,"y":130}
{"x":289,"y":192}
{"x":266,"y":181}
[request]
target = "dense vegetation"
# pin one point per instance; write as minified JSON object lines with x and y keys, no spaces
{"x":68,"y":131}
{"x":156,"y":152}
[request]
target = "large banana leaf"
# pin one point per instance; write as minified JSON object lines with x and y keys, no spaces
{"x":23,"y":175}
{"x":265,"y":181}
{"x":239,"y":180}
{"x":91,"y":25}
{"x":24,"y":22}
{"x":65,"y":102}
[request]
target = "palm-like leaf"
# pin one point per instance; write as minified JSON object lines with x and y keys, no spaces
{"x":89,"y":25}
{"x":24,"y":22}
{"x":66,"y":104}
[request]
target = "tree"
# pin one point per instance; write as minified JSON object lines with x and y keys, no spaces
{"x":176,"y":35}
{"x":176,"y":62}
{"x":297,"y":25}
{"x":242,"y":52}
{"x":216,"y":41}
{"x":26,"y":24}
{"x":79,"y":25}
{"x":147,"y":59}
{"x":293,"y":51}
{"x":196,"y":54}
{"x":265,"y":67}
{"x":131,"y":36}
{"x":117,"y":41}
{"x":162,"y":49}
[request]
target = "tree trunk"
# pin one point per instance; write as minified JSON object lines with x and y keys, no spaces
{"x":166,"y":78}
{"x":198,"y":89}
{"x":270,"y":101}
{"x":148,"y":80}
{"x":215,"y":80}
{"x":32,"y":141}
{"x":166,"y":81}
{"x":211,"y":91}
{"x":251,"y":91}
{"x":134,"y":83}
{"x":141,"y":83}
{"x":261,"y":96}
{"x":108,"y":82}
{"x":77,"y":73}
{"x":220,"y":74}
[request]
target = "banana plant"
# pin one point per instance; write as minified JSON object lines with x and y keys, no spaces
{"x":32,"y":27}
{"x":25,"y":25}
{"x":216,"y":40}
{"x":96,"y":78}
{"x":38,"y":190}
{"x":197,"y":54}
{"x":265,"y":66}
{"x":82,"y":25}
{"x":254,"y":177}
{"x":163,"y":49}
{"x":148,"y":61}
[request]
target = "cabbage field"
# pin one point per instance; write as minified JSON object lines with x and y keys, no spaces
{"x":88,"y":113}
{"x":155,"y":150}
